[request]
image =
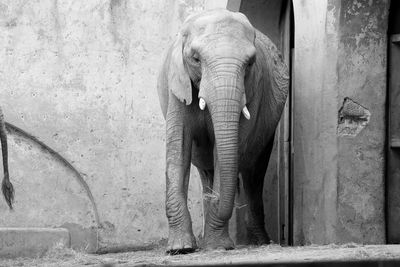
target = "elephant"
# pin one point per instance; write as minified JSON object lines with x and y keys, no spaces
{"x":222,"y":88}
{"x":6,"y":185}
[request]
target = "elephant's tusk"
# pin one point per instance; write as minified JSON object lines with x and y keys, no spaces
{"x":246,"y":112}
{"x":202,"y":104}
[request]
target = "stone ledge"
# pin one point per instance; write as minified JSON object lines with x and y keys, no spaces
{"x":31,"y":242}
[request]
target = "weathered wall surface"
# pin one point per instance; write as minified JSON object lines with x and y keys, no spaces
{"x":393,"y":153}
{"x":315,"y":122}
{"x":362,"y":63}
{"x":80,"y":76}
{"x":339,"y":121}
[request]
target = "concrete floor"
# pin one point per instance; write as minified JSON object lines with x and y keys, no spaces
{"x":371,"y":255}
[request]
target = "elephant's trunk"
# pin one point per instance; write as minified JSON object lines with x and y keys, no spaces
{"x":225,"y":107}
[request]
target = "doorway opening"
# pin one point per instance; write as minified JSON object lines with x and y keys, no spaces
{"x":275,"y":19}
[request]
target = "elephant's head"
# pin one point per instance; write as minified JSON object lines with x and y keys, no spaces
{"x":209,"y":61}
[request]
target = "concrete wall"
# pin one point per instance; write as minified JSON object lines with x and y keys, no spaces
{"x":339,"y":121}
{"x":78,"y":80}
{"x":393,"y":152}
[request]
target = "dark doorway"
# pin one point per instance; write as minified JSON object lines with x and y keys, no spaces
{"x":275,"y":19}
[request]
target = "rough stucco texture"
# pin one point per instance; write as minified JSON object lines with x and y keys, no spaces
{"x":340,"y":54}
{"x":314,"y":122}
{"x":81,"y":77}
{"x":362,"y":77}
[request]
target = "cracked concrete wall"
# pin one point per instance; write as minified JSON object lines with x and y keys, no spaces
{"x":352,"y":118}
{"x":80,"y":76}
{"x":339,"y":121}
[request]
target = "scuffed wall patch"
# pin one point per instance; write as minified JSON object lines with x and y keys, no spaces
{"x":352,"y":118}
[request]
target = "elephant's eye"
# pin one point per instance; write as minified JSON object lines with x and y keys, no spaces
{"x":251,"y":61}
{"x":196,"y":58}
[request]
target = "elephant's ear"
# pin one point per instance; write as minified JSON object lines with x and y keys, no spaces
{"x":278,"y":73}
{"x":178,"y":78}
{"x":278,"y":70}
{"x":280,"y":76}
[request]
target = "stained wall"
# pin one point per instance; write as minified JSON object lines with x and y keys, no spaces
{"x":339,"y":121}
{"x":86,"y":134}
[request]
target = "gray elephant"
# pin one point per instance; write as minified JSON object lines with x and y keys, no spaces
{"x":6,"y":185}
{"x":222,"y":89}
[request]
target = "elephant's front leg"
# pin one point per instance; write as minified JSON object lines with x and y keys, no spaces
{"x":181,"y":238}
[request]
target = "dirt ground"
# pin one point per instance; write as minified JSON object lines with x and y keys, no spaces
{"x":244,"y":255}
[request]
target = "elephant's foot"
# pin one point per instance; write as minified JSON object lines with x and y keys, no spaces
{"x":258,"y":236}
{"x":181,"y":241}
{"x":217,"y":239}
{"x":222,"y":243}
